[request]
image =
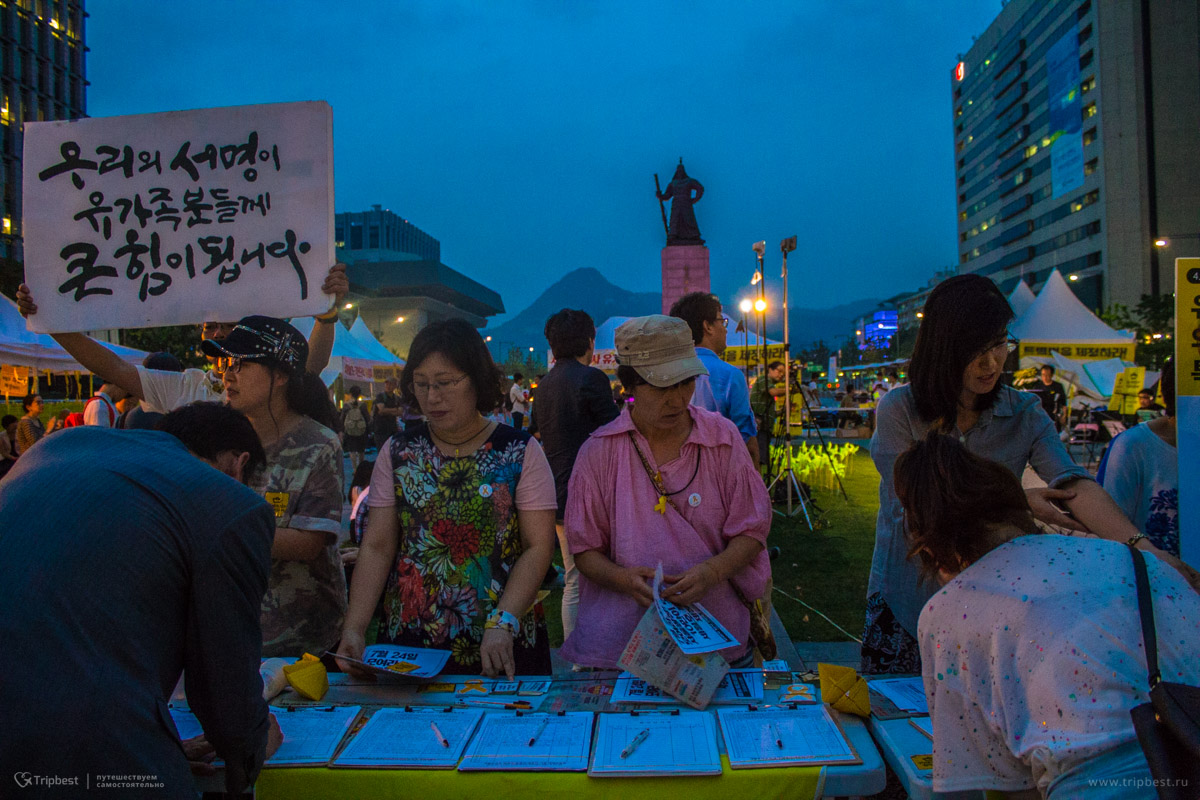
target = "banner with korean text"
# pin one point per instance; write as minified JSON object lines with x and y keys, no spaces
{"x":1187,"y":404}
{"x":179,"y":217}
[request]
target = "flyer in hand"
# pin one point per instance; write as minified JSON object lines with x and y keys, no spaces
{"x":692,"y":627}
{"x":395,"y":661}
{"x":654,"y":657}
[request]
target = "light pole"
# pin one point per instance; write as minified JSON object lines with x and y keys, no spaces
{"x":760,"y":306}
{"x":745,"y":307}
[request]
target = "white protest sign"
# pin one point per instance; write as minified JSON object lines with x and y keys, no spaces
{"x":691,"y":627}
{"x":181,"y":217}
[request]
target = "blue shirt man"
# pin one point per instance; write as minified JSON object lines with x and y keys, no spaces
{"x":724,"y":389}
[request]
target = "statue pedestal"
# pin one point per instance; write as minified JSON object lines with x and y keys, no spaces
{"x":684,"y":270}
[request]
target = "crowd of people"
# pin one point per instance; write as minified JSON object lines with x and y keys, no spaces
{"x":456,"y":522}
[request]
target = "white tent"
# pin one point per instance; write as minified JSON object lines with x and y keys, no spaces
{"x":1021,"y":298}
{"x":1058,"y":321}
{"x":352,"y":355}
{"x":22,"y":348}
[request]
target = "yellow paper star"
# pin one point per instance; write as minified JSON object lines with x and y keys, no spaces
{"x":844,"y":689}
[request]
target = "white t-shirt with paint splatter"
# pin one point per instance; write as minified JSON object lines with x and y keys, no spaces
{"x":1033,"y":658}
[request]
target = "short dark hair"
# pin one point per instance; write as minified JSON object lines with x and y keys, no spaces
{"x":460,"y":343}
{"x":696,"y":309}
{"x":355,"y":392}
{"x":962,"y":316}
{"x":28,"y":401}
{"x":1047,"y":367}
{"x":1166,"y":384}
{"x":9,"y":419}
{"x":629,"y":377}
{"x":162,"y":360}
{"x":570,"y":333}
{"x":209,"y":429}
{"x":774,"y":364}
{"x":517,"y":376}
{"x":951,"y":499}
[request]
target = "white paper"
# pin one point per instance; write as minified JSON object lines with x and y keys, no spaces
{"x":808,"y":733}
{"x":311,"y":735}
{"x":180,"y":217}
{"x":907,"y":693}
{"x":692,"y":628}
{"x":738,"y":686}
{"x":654,"y":657}
{"x":677,"y":744}
{"x":502,"y":742}
{"x":186,"y":723}
{"x":405,"y":662}
{"x":394,"y":737}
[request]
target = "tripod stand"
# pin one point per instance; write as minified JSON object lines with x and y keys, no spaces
{"x":787,"y":474}
{"x":821,"y":438}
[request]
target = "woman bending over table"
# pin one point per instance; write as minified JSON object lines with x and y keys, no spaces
{"x":955,"y":388}
{"x":1032,"y":650}
{"x":461,"y":530}
{"x":664,"y":482}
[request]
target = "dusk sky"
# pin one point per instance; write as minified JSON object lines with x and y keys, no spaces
{"x":525,"y":135}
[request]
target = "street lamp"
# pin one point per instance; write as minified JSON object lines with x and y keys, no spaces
{"x":745,"y":306}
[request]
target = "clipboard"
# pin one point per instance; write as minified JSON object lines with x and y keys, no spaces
{"x":785,"y":736}
{"x":404,"y":738}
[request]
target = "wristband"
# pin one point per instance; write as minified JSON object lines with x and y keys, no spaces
{"x":1133,"y":540}
{"x":327,"y":318}
{"x":502,"y":620}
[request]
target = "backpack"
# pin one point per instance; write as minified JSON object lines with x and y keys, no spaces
{"x":355,"y":422}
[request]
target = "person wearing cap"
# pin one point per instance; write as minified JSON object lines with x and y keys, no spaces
{"x":666,"y":482}
{"x":263,"y":363}
{"x":163,"y":391}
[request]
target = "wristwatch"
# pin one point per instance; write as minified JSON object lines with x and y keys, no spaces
{"x":502,"y":620}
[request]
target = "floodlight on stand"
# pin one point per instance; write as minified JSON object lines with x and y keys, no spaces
{"x":745,"y":306}
{"x":760,"y":305}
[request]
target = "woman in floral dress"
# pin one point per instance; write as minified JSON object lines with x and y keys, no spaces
{"x":469,"y":532}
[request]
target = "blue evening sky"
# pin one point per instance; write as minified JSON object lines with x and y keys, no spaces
{"x":525,"y":135}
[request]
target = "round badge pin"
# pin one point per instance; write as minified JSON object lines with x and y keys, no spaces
{"x":485,"y":490}
{"x":694,"y":499}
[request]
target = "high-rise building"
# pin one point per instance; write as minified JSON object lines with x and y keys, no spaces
{"x":43,"y":76}
{"x":1076,"y":145}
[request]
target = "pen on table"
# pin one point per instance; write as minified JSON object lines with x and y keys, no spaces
{"x":641,"y":737}
{"x":441,"y":739}
{"x":541,"y":727}
{"x":775,"y":733}
{"x":520,"y":705}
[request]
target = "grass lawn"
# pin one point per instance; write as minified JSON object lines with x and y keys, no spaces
{"x":826,"y":568}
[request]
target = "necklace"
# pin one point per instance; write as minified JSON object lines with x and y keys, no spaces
{"x":457,"y":444}
{"x":664,"y":497}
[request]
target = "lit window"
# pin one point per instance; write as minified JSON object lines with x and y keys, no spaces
{"x":7,"y":226}
{"x":1029,"y":151}
{"x":1089,"y":110}
{"x":1089,"y":167}
{"x":1089,"y":136}
{"x":1088,"y":85}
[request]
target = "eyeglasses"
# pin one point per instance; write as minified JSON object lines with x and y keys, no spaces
{"x":998,"y":351}
{"x":724,"y":320}
{"x":438,"y":386}
{"x":229,"y":365}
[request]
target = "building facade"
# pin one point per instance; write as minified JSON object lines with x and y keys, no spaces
{"x":398,"y":283}
{"x":1075,"y":146}
{"x":43,"y":76}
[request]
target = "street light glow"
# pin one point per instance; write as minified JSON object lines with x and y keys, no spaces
{"x":531,"y":349}
{"x":920,"y":315}
{"x":745,"y":306}
{"x":348,"y":306}
{"x":399,"y":319}
{"x":487,"y":339}
{"x":1073,"y":277}
{"x":760,"y":306}
{"x":1161,"y":242}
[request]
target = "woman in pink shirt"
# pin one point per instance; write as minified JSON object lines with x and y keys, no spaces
{"x":664,"y":482}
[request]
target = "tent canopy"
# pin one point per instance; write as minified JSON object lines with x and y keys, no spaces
{"x":1093,"y":380}
{"x":361,"y":348}
{"x":21,"y":347}
{"x":1021,"y":299}
{"x":1057,"y":315}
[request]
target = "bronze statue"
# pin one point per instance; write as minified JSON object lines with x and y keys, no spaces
{"x":682,"y":229}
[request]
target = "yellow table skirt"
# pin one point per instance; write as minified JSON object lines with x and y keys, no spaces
{"x":321,"y":783}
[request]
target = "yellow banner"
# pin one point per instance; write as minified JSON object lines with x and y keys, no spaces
{"x":14,"y":380}
{"x":1125,"y":390}
{"x":1187,"y":327}
{"x":1079,"y":352}
{"x":749,"y":356}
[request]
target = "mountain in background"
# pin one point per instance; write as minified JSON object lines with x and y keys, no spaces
{"x":589,"y":290}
